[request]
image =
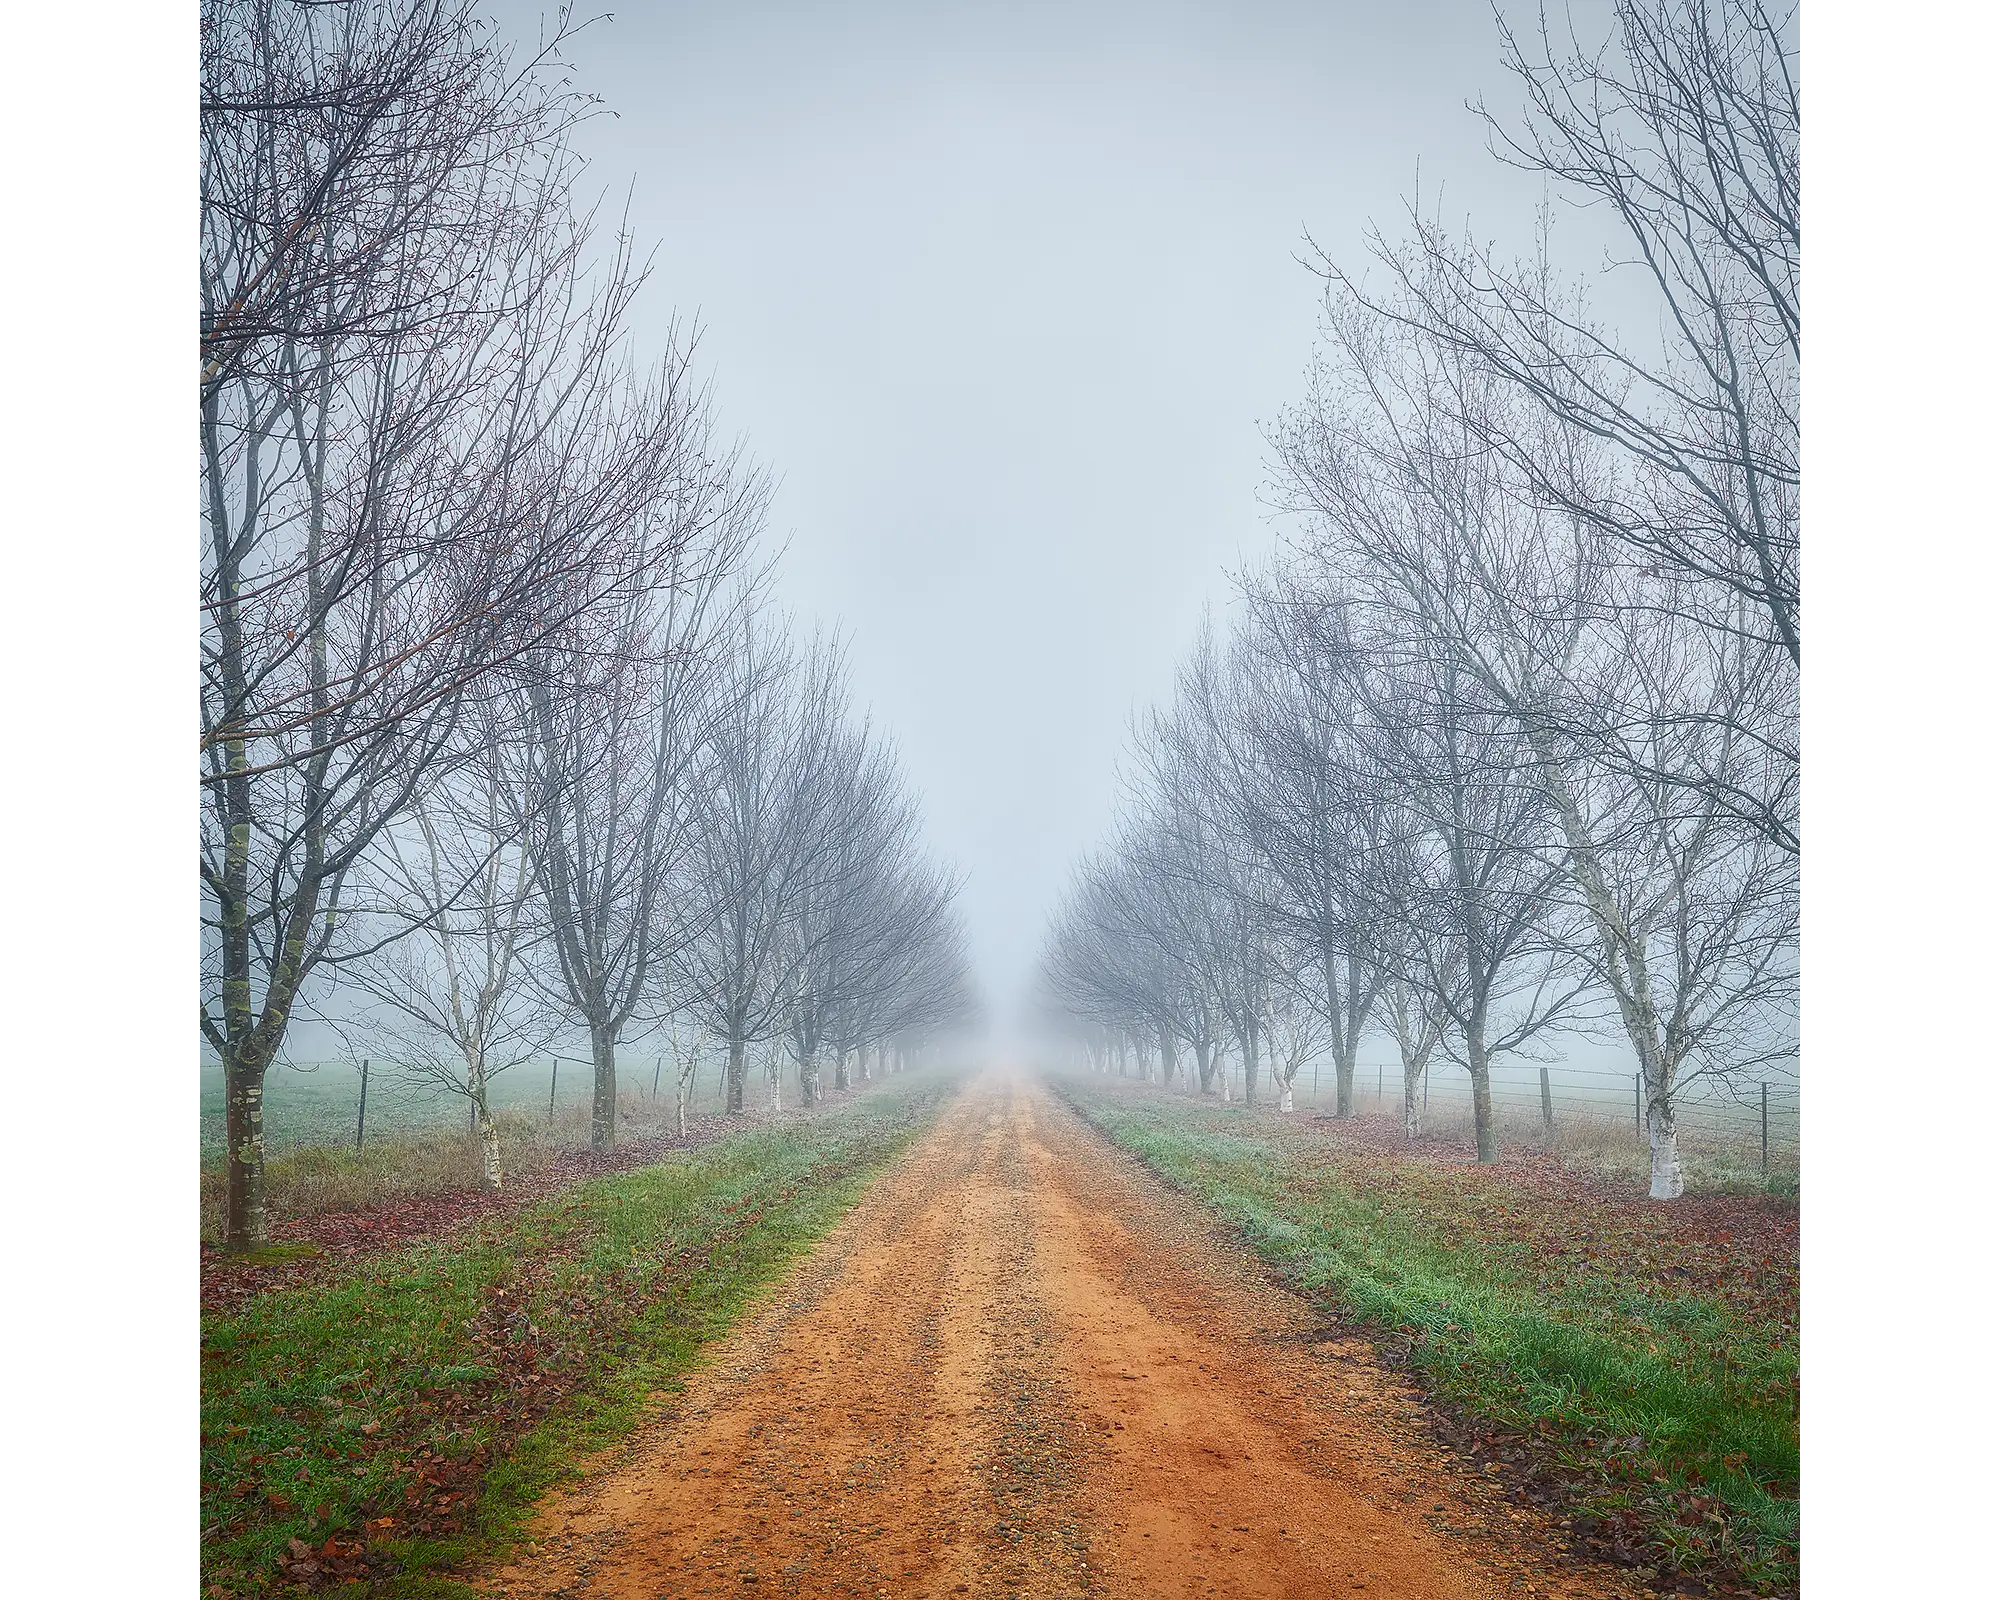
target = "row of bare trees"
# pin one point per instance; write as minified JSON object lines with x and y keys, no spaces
{"x":498,"y":737}
{"x":1505,"y":737}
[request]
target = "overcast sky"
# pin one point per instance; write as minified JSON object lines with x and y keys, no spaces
{"x":1002,"y":293}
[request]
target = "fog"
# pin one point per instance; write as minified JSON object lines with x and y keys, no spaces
{"x":1002,"y":295}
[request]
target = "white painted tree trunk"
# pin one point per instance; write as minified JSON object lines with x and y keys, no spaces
{"x":489,"y":1150}
{"x":1285,"y":1095}
{"x":1630,"y":978}
{"x":1665,"y":1134}
{"x":482,"y":1121}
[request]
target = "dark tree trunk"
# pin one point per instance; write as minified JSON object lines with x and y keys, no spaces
{"x":1482,"y":1093}
{"x":734,"y":1104}
{"x":604,"y":1087}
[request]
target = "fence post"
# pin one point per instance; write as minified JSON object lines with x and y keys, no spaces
{"x":656,"y":1077}
{"x":1548,"y":1105}
{"x":1764,"y":1129}
{"x":1427,"y":1088}
{"x":1638,"y":1118}
{"x":554,"y":1062}
{"x":361,"y":1119}
{"x":1379,"y":1102}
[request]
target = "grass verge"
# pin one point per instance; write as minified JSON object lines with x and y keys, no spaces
{"x":1637,"y":1364}
{"x":370,"y":1435}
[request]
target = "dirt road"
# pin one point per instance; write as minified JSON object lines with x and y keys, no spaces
{"x":1022,"y":1368}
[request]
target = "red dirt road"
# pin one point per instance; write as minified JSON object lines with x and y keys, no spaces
{"x":1021,"y":1367}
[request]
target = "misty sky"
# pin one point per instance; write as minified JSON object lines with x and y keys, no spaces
{"x":1002,"y":294}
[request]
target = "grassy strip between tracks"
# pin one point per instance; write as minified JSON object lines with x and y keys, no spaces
{"x":370,"y":1435}
{"x":1635,"y":1365}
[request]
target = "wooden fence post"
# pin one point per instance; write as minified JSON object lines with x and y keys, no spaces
{"x":554,"y":1062}
{"x":1548,"y":1105}
{"x":361,"y":1120}
{"x":1638,"y":1118}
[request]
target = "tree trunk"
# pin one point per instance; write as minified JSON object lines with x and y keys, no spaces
{"x":1284,"y":1092}
{"x":809,"y":1078}
{"x":1414,"y":1044}
{"x":734,"y":1099}
{"x":1664,"y":1133}
{"x":840,"y":1069}
{"x":1482,"y":1093}
{"x":604,"y":1087}
{"x":1169,"y":1057}
{"x":1343,"y":1070}
{"x":243,"y":1090}
{"x":1343,"y":1040}
{"x":489,"y":1133}
{"x":1626,"y":967}
{"x":1250,"y":1063}
{"x":1205,"y":1066}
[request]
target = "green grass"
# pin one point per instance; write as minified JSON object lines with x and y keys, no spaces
{"x":352,"y":1409}
{"x":1670,"y":1407}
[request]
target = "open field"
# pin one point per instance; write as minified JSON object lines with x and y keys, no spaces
{"x":1635,"y":1364}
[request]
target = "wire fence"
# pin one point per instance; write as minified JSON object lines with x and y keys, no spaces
{"x":1762,"y":1111}
{"x":322,"y":1103}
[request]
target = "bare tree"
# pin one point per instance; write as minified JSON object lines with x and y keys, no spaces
{"x":1684,"y":129}
{"x":1196,"y":759}
{"x":1296,"y":1029}
{"x":619,"y":722}
{"x":900,"y":959}
{"x":1485,"y":939}
{"x":1416,"y":1026}
{"x":1611,"y":696}
{"x":1311,"y":804}
{"x":761,"y":828}
{"x":845,"y":921}
{"x":331,"y":133}
{"x":455,"y":1003}
{"x":384,"y":405}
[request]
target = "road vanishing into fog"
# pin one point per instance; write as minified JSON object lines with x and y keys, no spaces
{"x":1022,"y":1367}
